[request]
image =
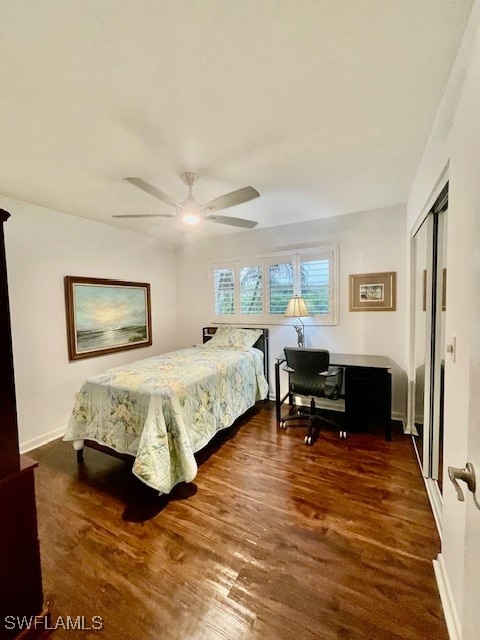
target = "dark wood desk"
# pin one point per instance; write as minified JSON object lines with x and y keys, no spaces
{"x":367,"y":390}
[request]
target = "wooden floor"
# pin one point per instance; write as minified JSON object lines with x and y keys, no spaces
{"x":272,"y":540}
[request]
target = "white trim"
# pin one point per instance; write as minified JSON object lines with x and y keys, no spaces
{"x":39,"y":441}
{"x":436,"y":503}
{"x":399,"y":416}
{"x":427,"y":207}
{"x":433,"y":492}
{"x":449,"y":610}
{"x":410,"y":426}
{"x":415,"y":448}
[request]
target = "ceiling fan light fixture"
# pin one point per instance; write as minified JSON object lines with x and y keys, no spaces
{"x":191,"y":217}
{"x":193,"y":212}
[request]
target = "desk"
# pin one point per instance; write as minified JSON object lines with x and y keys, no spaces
{"x":368,"y":389}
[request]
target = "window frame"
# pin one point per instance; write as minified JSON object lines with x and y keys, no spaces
{"x":296,"y":257}
{"x":241,"y":264}
{"x":268,"y":261}
{"x":221,"y":318}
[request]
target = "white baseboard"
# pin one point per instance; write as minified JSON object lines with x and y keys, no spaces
{"x":415,"y":448}
{"x":39,"y":441}
{"x":448,"y":604}
{"x":436,"y":503}
{"x":398,"y":415}
{"x":433,"y":493}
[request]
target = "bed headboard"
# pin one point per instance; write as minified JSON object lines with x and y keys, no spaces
{"x":261,"y":343}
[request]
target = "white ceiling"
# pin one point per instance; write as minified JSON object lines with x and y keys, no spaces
{"x":324,"y":106}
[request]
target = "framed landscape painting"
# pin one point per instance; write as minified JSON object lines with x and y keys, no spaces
{"x":373,"y":291}
{"x":106,"y":316}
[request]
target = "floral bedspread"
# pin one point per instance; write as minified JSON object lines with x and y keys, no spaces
{"x":164,"y":409}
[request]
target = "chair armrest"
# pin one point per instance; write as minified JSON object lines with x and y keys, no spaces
{"x":335,"y":371}
{"x":325,"y":374}
{"x":331,"y":373}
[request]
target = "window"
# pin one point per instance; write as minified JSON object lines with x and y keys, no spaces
{"x":254,"y":290}
{"x":280,"y":284}
{"x":315,"y":284}
{"x":224,"y":288}
{"x":251,"y":290}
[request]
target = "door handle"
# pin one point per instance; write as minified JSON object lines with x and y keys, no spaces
{"x":467,"y":474}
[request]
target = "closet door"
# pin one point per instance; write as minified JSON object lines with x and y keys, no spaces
{"x":439,"y":308}
{"x":422,"y":331}
{"x":430,"y":250}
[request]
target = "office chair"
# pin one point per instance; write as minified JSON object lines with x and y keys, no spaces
{"x":309,"y":374}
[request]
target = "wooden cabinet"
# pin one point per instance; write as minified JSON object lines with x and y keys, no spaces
{"x":368,"y":394}
{"x":20,"y":573}
{"x":21,"y":594}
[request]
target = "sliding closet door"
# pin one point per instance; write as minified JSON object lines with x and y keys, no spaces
{"x":439,"y":311}
{"x":423,"y":253}
{"x":430,"y":250}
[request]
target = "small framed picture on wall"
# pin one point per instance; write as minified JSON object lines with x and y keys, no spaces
{"x":373,"y":291}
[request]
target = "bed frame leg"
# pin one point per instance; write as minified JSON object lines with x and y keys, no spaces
{"x":78,"y":446}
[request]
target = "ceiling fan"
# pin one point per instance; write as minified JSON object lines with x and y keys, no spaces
{"x":192,"y":211}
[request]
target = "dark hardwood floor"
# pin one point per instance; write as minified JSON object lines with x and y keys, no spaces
{"x":272,"y":540}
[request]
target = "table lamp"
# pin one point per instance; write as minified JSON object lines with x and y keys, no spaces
{"x":298,"y":309}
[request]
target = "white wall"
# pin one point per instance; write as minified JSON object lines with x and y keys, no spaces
{"x":42,"y":247}
{"x":455,"y":143}
{"x":368,"y":242}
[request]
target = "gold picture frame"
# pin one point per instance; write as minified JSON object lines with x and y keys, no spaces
{"x":106,"y":316}
{"x":373,"y":291}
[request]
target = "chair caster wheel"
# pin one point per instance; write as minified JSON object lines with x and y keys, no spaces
{"x":283,"y":426}
{"x":308,"y":440}
{"x":343,"y":434}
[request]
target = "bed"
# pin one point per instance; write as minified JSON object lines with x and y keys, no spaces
{"x":162,"y":410}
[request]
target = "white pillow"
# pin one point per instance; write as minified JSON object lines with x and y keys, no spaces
{"x":233,"y":338}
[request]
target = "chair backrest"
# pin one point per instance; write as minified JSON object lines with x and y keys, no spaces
{"x":304,"y":367}
{"x":307,"y":362}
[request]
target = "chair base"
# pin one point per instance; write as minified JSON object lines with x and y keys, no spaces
{"x":312,"y":430}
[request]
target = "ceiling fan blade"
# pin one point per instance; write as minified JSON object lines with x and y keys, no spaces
{"x":233,"y":222}
{"x":153,"y":191}
{"x":231,"y":199}
{"x":145,"y":215}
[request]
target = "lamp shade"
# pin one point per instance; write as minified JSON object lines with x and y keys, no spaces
{"x":296,"y":308}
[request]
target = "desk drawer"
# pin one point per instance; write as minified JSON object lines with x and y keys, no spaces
{"x":365,"y":380}
{"x":368,"y":398}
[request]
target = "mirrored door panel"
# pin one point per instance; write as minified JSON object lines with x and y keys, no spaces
{"x":430,"y":251}
{"x":440,"y":309}
{"x":420,"y":331}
